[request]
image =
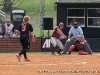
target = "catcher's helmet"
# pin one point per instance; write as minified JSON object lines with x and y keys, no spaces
{"x":79,"y":37}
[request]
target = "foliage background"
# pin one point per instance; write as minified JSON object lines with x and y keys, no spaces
{"x":32,"y":8}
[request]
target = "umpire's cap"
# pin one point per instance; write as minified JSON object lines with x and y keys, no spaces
{"x":61,"y":24}
{"x":75,"y":23}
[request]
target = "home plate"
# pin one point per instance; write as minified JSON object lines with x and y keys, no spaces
{"x":83,"y":62}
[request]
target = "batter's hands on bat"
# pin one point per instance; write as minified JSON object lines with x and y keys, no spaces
{"x":63,"y":37}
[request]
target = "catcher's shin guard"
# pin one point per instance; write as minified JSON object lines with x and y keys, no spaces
{"x":82,"y":53}
{"x":72,"y":47}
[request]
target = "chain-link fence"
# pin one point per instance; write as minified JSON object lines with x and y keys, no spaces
{"x":48,"y":12}
{"x":2,"y":14}
{"x":32,"y":8}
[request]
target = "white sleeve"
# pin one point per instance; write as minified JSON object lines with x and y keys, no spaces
{"x":81,"y":31}
{"x":70,"y":31}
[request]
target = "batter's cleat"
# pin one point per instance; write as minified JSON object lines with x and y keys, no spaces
{"x":53,"y":53}
{"x":27,"y":60}
{"x":59,"y":53}
{"x":18,"y":57}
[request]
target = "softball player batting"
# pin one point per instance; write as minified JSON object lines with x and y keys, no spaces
{"x":55,"y":38}
{"x":24,"y":29}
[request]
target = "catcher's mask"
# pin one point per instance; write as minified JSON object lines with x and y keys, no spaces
{"x":79,"y":37}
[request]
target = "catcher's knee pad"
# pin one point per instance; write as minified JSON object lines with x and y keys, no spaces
{"x":82,"y":53}
{"x":72,"y":47}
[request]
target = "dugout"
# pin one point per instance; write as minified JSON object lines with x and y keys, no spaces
{"x":86,"y":13}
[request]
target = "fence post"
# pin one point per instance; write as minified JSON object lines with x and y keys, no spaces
{"x":41,"y":18}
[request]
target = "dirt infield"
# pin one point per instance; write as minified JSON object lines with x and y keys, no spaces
{"x":45,"y":64}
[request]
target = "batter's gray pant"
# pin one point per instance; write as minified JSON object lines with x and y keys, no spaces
{"x":56,"y":42}
{"x":68,"y":44}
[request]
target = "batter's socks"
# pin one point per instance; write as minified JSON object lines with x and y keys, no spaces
{"x":53,"y":49}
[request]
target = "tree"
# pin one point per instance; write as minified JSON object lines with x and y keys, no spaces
{"x":7,"y":5}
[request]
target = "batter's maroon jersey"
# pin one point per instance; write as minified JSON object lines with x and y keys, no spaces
{"x":56,"y":34}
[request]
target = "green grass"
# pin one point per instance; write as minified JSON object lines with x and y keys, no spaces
{"x":32,"y":8}
{"x":13,"y":53}
{"x":45,"y":32}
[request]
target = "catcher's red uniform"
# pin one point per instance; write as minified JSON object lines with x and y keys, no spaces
{"x":77,"y":44}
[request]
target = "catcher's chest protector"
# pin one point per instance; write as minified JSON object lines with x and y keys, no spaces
{"x":78,"y":44}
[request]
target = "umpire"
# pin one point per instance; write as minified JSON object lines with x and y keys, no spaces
{"x":25,"y":30}
{"x":74,"y":32}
